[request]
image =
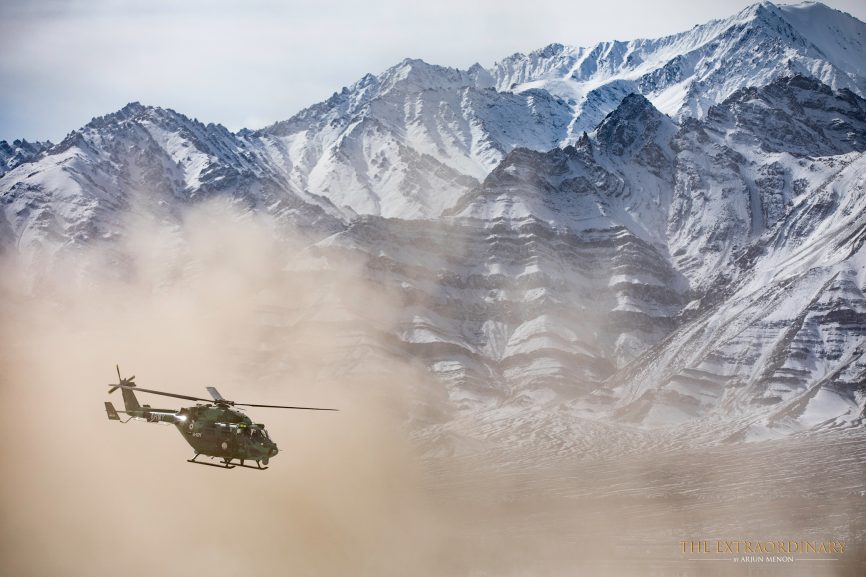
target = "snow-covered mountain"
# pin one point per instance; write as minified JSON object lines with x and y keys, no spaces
{"x":782,"y":335}
{"x":687,"y":73}
{"x":656,"y":231}
{"x":574,"y":270}
{"x":150,"y":161}
{"x":409,"y":142}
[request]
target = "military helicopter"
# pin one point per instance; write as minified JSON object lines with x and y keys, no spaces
{"x":215,"y":429}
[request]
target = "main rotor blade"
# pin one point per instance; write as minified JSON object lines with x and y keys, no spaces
{"x":164,"y":394}
{"x":189,"y":398}
{"x":215,"y":394}
{"x":283,"y":407}
{"x":119,"y":378}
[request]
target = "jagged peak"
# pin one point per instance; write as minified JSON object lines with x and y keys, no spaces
{"x":816,"y":119}
{"x":633,"y":123}
{"x":134,"y":107}
{"x":584,"y":144}
{"x":135,"y":116}
{"x":544,"y":53}
{"x":129,"y":111}
{"x":409,"y":66}
{"x":410,"y":74}
{"x":23,"y":143}
{"x":368,"y":79}
{"x":20,"y":151}
{"x":551,"y":50}
{"x":552,"y":162}
{"x":799,"y":82}
{"x":795,"y":20}
{"x":482,"y":77}
{"x":414,"y":73}
{"x":634,"y":101}
{"x":138,"y":112}
{"x":783,"y":86}
{"x":760,"y":9}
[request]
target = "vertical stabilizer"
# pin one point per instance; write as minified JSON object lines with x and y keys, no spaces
{"x":129,"y":400}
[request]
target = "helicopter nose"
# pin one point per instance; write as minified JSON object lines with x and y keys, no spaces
{"x":274,"y":450}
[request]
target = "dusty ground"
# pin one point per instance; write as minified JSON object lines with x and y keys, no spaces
{"x":627,"y":515}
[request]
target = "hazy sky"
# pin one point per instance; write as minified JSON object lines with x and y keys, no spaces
{"x":249,"y":63}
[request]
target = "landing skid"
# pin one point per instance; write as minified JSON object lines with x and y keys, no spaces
{"x":227,"y":464}
{"x":258,"y":466}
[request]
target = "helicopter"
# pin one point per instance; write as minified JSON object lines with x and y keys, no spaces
{"x":215,"y":429}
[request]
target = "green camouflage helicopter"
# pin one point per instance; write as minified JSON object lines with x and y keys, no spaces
{"x":214,"y":429}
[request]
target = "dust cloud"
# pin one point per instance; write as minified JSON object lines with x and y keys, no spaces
{"x":232,"y":300}
{"x":226,"y":300}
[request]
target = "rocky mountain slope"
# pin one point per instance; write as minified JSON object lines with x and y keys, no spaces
{"x":654,"y":265}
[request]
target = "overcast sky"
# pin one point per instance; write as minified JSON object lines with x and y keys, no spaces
{"x":248,"y":63}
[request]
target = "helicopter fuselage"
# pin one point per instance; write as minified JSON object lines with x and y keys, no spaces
{"x":214,"y":430}
{"x":225,"y":433}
